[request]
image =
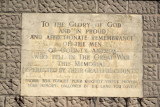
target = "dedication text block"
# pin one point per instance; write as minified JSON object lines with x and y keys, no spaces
{"x":81,"y":55}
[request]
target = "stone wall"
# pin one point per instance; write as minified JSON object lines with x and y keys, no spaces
{"x":10,"y":50}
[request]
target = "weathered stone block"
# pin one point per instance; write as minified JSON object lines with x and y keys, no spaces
{"x":159,"y":7}
{"x":158,"y":71}
{"x":13,"y":54}
{"x":10,"y":54}
{"x":2,"y":37}
{"x":51,"y":102}
{"x":9,"y":86}
{"x":82,"y":6}
{"x":158,"y":26}
{"x":22,"y":5}
{"x":112,"y":6}
{"x":10,"y":21}
{"x":2,"y":101}
{"x":158,"y":39}
{"x":2,"y":70}
{"x":80,"y":102}
{"x":13,"y":101}
{"x":2,"y":54}
{"x":29,"y":101}
{"x":151,"y":89}
{"x":150,"y":72}
{"x":150,"y":39}
{"x":17,"y":101}
{"x":142,"y":6}
{"x":13,"y":70}
{"x":112,"y":102}
{"x":52,"y":6}
{"x":142,"y":102}
{"x":13,"y":37}
{"x":151,"y":55}
{"x":133,"y":102}
{"x":3,"y":5}
{"x":150,"y":22}
{"x":158,"y":101}
{"x":149,"y":102}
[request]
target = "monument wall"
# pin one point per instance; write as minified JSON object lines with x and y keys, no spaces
{"x":11,"y":46}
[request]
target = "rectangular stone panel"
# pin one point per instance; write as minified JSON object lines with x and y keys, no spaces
{"x":81,"y":55}
{"x":143,"y":6}
{"x":22,"y":5}
{"x":10,"y":20}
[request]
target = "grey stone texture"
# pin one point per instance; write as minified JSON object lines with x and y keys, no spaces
{"x":150,"y":39}
{"x":2,"y":70}
{"x":158,"y":18}
{"x":29,"y":101}
{"x":150,"y":22}
{"x":17,"y":101}
{"x":158,"y":39}
{"x":149,"y":102}
{"x":159,"y":7}
{"x":82,"y":6}
{"x":14,"y":101}
{"x":22,"y":5}
{"x":49,"y":6}
{"x":9,"y":87}
{"x":151,"y":55}
{"x":2,"y":100}
{"x":2,"y":37}
{"x":13,"y":37}
{"x":10,"y":50}
{"x":151,"y":89}
{"x":150,"y":72}
{"x":10,"y":21}
{"x":80,"y":102}
{"x":2,"y":5}
{"x":142,"y":102}
{"x":158,"y":72}
{"x":13,"y":70}
{"x":51,"y":102}
{"x":13,"y":54}
{"x":112,"y":6}
{"x":112,"y":102}
{"x":10,"y":37}
{"x":2,"y":54}
{"x":134,"y":102}
{"x":143,"y":6}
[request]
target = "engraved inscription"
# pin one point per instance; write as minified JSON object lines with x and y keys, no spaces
{"x":81,"y":55}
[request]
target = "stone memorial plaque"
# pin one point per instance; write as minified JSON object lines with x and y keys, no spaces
{"x":81,"y":55}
